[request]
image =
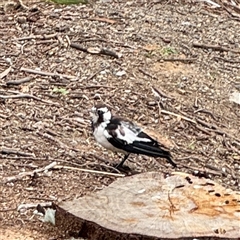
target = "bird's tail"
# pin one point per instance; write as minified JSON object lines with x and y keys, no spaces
{"x":152,"y":151}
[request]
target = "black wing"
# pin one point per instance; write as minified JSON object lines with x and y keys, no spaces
{"x":130,"y":138}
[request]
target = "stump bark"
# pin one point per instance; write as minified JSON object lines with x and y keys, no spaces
{"x":150,"y":206}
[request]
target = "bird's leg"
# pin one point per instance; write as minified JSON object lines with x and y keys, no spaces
{"x":124,"y":159}
{"x":169,"y":159}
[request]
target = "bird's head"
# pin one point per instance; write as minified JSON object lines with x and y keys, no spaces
{"x":100,"y":113}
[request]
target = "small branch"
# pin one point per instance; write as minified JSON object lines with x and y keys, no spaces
{"x":3,"y":116}
{"x":13,"y":151}
{"x":61,"y":144}
{"x":183,"y":60}
{"x":23,"y":5}
{"x":43,"y":73}
{"x":96,"y":51}
{"x":89,"y":171}
{"x":5,"y":72}
{"x":202,"y":171}
{"x":226,"y":60}
{"x":8,"y":210}
{"x":43,"y":37}
{"x":215,"y":47}
{"x":211,"y":127}
{"x":107,"y":20}
{"x":31,"y":173}
{"x":19,"y":81}
{"x":159,"y":93}
{"x":179,"y":116}
{"x":23,"y":95}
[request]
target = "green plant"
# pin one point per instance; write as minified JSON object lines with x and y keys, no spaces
{"x":168,"y":51}
{"x":62,"y":91}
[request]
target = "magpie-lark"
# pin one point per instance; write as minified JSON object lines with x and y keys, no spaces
{"x":120,"y":135}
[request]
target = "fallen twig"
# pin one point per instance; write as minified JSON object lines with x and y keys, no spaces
{"x":44,"y":37}
{"x":31,"y":173}
{"x":159,"y":93}
{"x":226,"y":60}
{"x":179,"y":116}
{"x":43,"y":73}
{"x":3,"y":116}
{"x":19,"y":81}
{"x":23,"y":5}
{"x":96,"y":51}
{"x":90,"y":171}
{"x":5,"y":72}
{"x":202,"y":171}
{"x":52,"y":138}
{"x":210,"y":127}
{"x":24,"y":95}
{"x":14,"y":151}
{"x":184,"y":60}
{"x":107,"y":20}
{"x":8,"y":210}
{"x":215,"y":47}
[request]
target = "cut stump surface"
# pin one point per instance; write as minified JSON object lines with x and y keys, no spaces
{"x":150,"y":206}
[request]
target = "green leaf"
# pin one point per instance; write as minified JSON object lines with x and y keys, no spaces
{"x":168,"y":51}
{"x":62,"y":91}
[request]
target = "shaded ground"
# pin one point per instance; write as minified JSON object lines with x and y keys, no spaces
{"x":51,"y":123}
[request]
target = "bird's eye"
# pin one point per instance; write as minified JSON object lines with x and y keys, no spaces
{"x":99,"y":112}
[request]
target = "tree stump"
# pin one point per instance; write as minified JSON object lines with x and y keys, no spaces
{"x":151,"y":206}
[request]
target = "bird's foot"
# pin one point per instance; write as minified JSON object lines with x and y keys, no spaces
{"x":121,"y":167}
{"x":125,"y":169}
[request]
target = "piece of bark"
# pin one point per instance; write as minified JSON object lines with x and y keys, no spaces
{"x":149,"y":206}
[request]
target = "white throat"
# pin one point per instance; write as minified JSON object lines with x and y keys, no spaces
{"x":107,"y":116}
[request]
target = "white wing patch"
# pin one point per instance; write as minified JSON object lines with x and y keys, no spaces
{"x":127,"y":134}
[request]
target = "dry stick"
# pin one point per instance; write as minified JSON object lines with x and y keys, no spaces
{"x":211,"y":127}
{"x":23,"y":95}
{"x":184,"y":60}
{"x":179,"y":116}
{"x":43,"y":73}
{"x":90,"y":171}
{"x":96,"y":86}
{"x":157,"y":92}
{"x":23,"y":5}
{"x":31,"y":173}
{"x":202,"y":170}
{"x":46,"y":37}
{"x":215,"y":47}
{"x":96,"y":51}
{"x":226,"y":60}
{"x":5,"y":72}
{"x":8,"y":210}
{"x":14,"y":151}
{"x":64,"y":161}
{"x":61,"y":144}
{"x":19,"y":81}
{"x":3,"y":116}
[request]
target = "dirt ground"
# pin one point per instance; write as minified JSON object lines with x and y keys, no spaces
{"x":187,"y":50}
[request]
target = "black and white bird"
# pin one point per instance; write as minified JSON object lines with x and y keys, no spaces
{"x":120,"y":135}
